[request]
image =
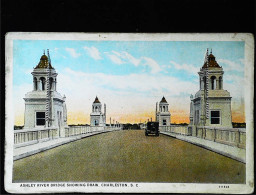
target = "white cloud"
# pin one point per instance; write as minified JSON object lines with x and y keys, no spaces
{"x":114,"y":58}
{"x":28,"y":71}
{"x":230,"y":65}
{"x":152,"y":64}
{"x":56,"y":53}
{"x":72,"y":52}
{"x":131,"y":59}
{"x":132,"y":82}
{"x":187,"y":67}
{"x":125,"y":57}
{"x":123,"y":94}
{"x":234,"y":78}
{"x":93,"y":52}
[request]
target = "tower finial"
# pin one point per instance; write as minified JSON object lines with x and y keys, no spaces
{"x":206,"y":57}
{"x":48,"y":54}
{"x":211,"y":50}
{"x":44,"y":51}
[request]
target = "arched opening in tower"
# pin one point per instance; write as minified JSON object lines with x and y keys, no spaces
{"x":35,"y":83}
{"x":51,"y":83}
{"x":220,"y":82}
{"x":204,"y":82}
{"x":42,"y":83}
{"x":213,"y":82}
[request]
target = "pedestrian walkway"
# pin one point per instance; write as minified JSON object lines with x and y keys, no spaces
{"x":226,"y":150}
{"x":29,"y":150}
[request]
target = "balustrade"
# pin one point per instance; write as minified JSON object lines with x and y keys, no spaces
{"x":27,"y":136}
{"x":229,"y":136}
{"x":31,"y":136}
{"x":80,"y":129}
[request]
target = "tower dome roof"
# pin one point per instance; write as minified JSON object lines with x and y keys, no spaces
{"x":211,"y":62}
{"x":43,"y":63}
{"x":163,"y":100}
{"x":96,"y":100}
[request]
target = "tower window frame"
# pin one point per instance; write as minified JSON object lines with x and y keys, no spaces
{"x":215,"y":117}
{"x":164,"y":121}
{"x":96,"y":122}
{"x":40,"y":117}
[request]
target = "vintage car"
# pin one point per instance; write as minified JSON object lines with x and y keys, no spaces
{"x":152,"y":128}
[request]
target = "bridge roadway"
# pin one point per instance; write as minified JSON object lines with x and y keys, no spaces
{"x":129,"y":156}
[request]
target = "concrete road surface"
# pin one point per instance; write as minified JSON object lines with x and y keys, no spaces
{"x":129,"y":156}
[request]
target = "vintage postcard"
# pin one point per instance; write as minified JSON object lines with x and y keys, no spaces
{"x":116,"y":112}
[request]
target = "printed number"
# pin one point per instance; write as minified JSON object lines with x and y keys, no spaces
{"x":223,"y":186}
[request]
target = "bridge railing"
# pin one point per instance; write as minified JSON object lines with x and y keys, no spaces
{"x":229,"y":136}
{"x":82,"y":129}
{"x":177,"y":129}
{"x":77,"y":130}
{"x":30,"y":136}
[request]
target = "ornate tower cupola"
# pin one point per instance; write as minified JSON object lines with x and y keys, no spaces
{"x":96,"y":106}
{"x":163,"y":105}
{"x":211,"y":74}
{"x":41,"y":73}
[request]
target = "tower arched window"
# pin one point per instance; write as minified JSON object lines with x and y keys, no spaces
{"x":42,"y":83}
{"x":204,"y":82}
{"x":51,"y":82}
{"x":220,"y":82}
{"x":213,"y":82}
{"x":35,"y":83}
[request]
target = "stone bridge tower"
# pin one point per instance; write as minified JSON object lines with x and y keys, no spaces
{"x":211,"y":105}
{"x":163,"y":116}
{"x":97,"y":117}
{"x":44,"y":106}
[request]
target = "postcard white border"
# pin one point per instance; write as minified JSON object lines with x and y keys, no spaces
{"x":142,"y":187}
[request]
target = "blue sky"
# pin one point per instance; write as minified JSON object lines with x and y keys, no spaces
{"x":136,"y":69}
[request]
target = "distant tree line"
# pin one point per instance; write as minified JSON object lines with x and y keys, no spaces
{"x":181,"y":124}
{"x":131,"y":126}
{"x":16,"y":127}
{"x":239,"y":125}
{"x":79,"y":125}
